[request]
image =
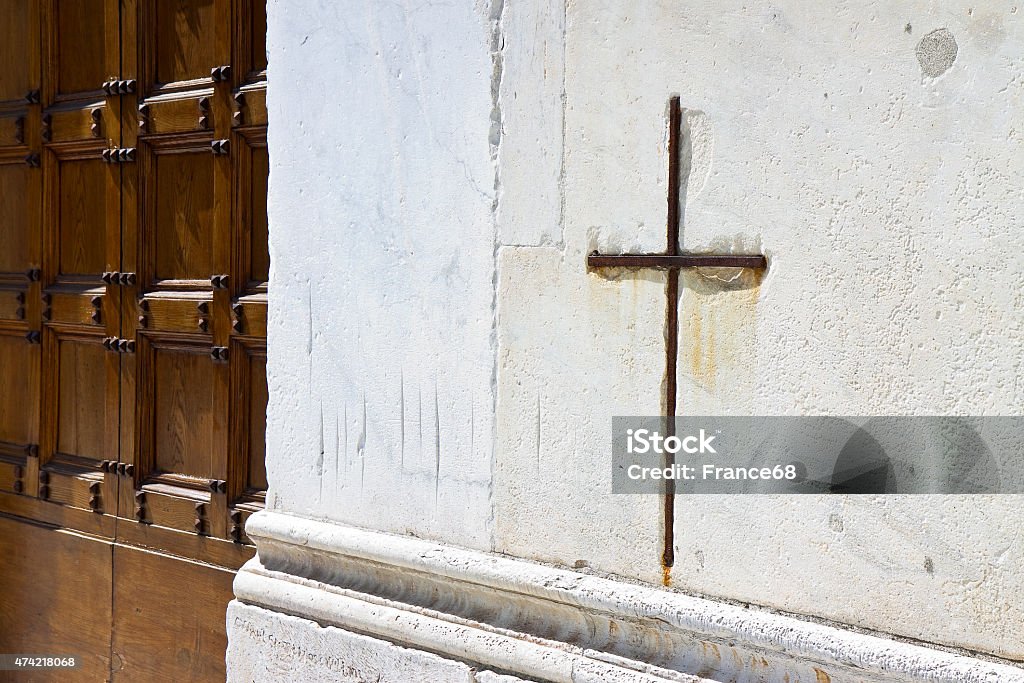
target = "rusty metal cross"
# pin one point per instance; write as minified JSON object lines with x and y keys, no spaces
{"x":672,"y":261}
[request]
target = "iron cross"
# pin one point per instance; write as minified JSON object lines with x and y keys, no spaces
{"x":672,"y":261}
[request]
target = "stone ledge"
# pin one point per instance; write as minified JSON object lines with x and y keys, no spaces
{"x":551,"y":624}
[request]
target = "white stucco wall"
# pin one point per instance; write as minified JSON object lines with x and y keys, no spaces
{"x":442,"y":364}
{"x":381,"y":349}
{"x":888,"y":201}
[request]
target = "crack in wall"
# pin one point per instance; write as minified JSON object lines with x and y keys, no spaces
{"x":497,"y":66}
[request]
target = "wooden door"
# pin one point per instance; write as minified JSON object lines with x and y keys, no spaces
{"x":133,"y":171}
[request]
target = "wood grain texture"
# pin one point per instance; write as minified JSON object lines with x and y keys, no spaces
{"x":81,"y":407}
{"x":15,"y":229}
{"x":80,"y":40}
{"x":184,"y":216}
{"x":19,"y":375}
{"x":259,"y":266}
{"x":15,"y":29}
{"x":163,"y":631}
{"x":258,"y":397}
{"x":82,"y":216}
{"x":56,"y":598}
{"x":258,"y":43}
{"x":178,"y":114}
{"x":185,"y":40}
{"x":169,"y":415}
{"x":76,"y":124}
{"x":12,"y":129}
{"x":186,"y":425}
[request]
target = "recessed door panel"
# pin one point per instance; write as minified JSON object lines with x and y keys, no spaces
{"x":258,"y":397}
{"x":260,"y":258}
{"x":82,"y":217}
{"x":184,"y":215}
{"x":186,"y":426}
{"x":19,"y":377}
{"x":80,"y":46}
{"x":186,"y":45}
{"x":15,"y":30}
{"x":82,"y":425}
{"x":16,"y":231}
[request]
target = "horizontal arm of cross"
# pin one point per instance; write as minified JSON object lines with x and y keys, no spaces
{"x":670,"y":262}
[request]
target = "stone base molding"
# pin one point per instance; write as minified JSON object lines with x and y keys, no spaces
{"x":323,"y":601}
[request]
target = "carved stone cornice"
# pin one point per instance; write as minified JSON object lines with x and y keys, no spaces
{"x":552,"y":624}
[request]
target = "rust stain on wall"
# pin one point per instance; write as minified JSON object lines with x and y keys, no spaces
{"x":719,"y":322}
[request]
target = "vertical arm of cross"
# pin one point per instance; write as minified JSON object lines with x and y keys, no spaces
{"x":672,"y":260}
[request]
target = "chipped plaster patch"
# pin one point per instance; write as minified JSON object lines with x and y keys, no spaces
{"x":936,"y":52}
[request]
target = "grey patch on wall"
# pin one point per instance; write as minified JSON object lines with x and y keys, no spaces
{"x":936,"y":52}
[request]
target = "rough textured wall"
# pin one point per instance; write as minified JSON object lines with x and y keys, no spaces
{"x":381,"y":356}
{"x":873,"y":151}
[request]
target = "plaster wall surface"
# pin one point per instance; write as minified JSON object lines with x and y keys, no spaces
{"x":380,"y":333}
{"x":873,"y":152}
{"x":442,"y":364}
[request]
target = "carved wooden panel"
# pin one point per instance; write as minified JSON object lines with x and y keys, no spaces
{"x":82,"y":235}
{"x":185,"y":45}
{"x":259,"y":263}
{"x":247,"y":474}
{"x":80,"y":43}
{"x":81,"y":399}
{"x":12,"y":129}
{"x":16,"y":49}
{"x":188,"y":430}
{"x":133,"y":296}
{"x":81,"y":227}
{"x":19,"y":377}
{"x":250,"y":107}
{"x":12,"y":305}
{"x":174,"y":312}
{"x":180,"y":112}
{"x":252,"y":232}
{"x":258,"y":39}
{"x":180,"y":191}
{"x":195,"y":229}
{"x":92,"y":120}
{"x":15,"y":216}
{"x":257,"y":408}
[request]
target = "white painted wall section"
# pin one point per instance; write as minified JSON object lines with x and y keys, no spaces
{"x":381,"y":348}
